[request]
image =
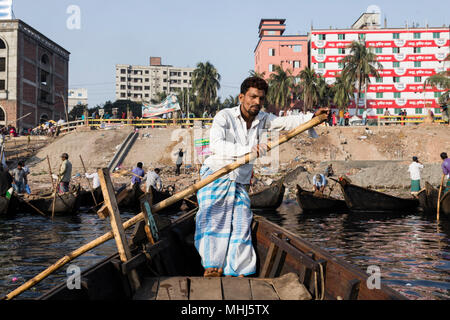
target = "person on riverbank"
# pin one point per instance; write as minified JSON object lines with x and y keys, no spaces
{"x":414,"y":170}
{"x":138,"y":172}
{"x":319,"y":184}
{"x":329,"y":172}
{"x":223,"y":221}
{"x":179,"y":161}
{"x":20,"y":178}
{"x":154,"y":180}
{"x":446,"y":170}
{"x":341,"y":117}
{"x":65,"y":173}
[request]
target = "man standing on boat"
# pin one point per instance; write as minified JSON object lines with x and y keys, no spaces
{"x":223,"y":221}
{"x":319,"y":184}
{"x":153,"y":180}
{"x":65,"y":173}
{"x":446,"y":170}
{"x":414,"y":170}
{"x":138,"y":172}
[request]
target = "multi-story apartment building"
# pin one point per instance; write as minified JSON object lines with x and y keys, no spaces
{"x":143,"y":83}
{"x":276,"y":48}
{"x":408,"y":56}
{"x":34,"y":76}
{"x":77,"y":96}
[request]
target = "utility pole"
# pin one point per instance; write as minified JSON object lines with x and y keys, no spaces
{"x":65,"y":107}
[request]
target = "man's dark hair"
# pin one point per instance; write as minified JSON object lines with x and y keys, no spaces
{"x":139,"y":165}
{"x":415,"y":159}
{"x":444,"y":155}
{"x":254,"y":82}
{"x":157,"y":170}
{"x":20,"y":163}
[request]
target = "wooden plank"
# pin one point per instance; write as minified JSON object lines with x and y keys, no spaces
{"x":268,"y":262}
{"x":116,"y":223}
{"x":289,"y":288}
{"x":205,"y":288}
{"x":148,"y":290}
{"x":236,"y":289}
{"x":173,"y":288}
{"x":352,"y":290}
{"x":263,"y":290}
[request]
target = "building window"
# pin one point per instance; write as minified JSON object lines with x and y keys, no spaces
{"x":123,"y":79}
{"x":297,"y":48}
{"x":44,"y":59}
{"x":123,"y":71}
{"x":418,"y":110}
{"x":417,"y":79}
{"x":147,"y":79}
{"x":2,"y":64}
{"x":2,"y":84}
{"x":437,"y":110}
{"x":378,"y":50}
{"x":271,"y":33}
{"x":397,"y":110}
{"x":397,"y":95}
{"x":122,"y":87}
{"x":271,"y":52}
{"x":2,"y":44}
{"x":379,"y":95}
{"x":395,"y":50}
{"x":417,"y":64}
{"x":341,"y":36}
{"x":361,"y":36}
{"x":322,"y":37}
{"x":341,"y":51}
{"x":322,"y":65}
{"x":396,"y":35}
{"x":322,"y":51}
{"x":379,"y":80}
{"x":380,"y":111}
{"x":396,"y":64}
{"x":147,"y":88}
{"x":396,"y":79}
{"x":436,"y":35}
{"x":437,"y":94}
{"x":270,"y":67}
{"x":416,"y":35}
{"x":417,"y":49}
{"x":340,"y":65}
{"x":122,"y":95}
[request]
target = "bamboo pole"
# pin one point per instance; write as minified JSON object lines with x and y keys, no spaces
{"x":159,"y":206}
{"x":89,"y":183}
{"x":439,"y":196}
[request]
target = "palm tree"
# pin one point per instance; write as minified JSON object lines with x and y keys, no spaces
{"x":343,"y":90}
{"x":324,"y":91}
{"x":281,"y":84}
{"x":440,"y":80}
{"x":359,"y":65}
{"x":231,"y":101}
{"x":253,"y":73}
{"x":205,"y":82}
{"x":309,"y":90}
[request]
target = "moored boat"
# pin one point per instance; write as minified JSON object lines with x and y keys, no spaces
{"x":269,"y":198}
{"x":360,"y":199}
{"x":64,"y":203}
{"x":288,"y":267}
{"x":428,"y":199}
{"x":310,"y":203}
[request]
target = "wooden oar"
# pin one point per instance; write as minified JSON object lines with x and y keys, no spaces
{"x":161,"y":205}
{"x":39,"y":211}
{"x":54,"y":187}
{"x":89,"y":183}
{"x":439,"y":196}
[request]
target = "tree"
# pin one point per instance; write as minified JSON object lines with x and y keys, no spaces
{"x":253,"y":73}
{"x":343,"y":90}
{"x":359,"y":65}
{"x":77,"y":111}
{"x":324,"y":91}
{"x":441,"y":80}
{"x":281,"y":84}
{"x":205,"y":82}
{"x":308,"y":87}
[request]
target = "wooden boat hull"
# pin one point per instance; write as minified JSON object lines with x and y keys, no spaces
{"x":309,"y":203}
{"x":278,"y":252}
{"x":269,"y":198}
{"x":86,"y":199}
{"x":4,"y":205}
{"x":428,"y":198}
{"x":359,"y":199}
{"x":65,"y":204}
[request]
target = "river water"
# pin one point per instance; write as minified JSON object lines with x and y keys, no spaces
{"x":411,"y":251}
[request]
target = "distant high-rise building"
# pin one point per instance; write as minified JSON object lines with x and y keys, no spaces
{"x":276,"y":48}
{"x":143,"y":83}
{"x":34,"y":76}
{"x":77,"y":97}
{"x":408,"y":56}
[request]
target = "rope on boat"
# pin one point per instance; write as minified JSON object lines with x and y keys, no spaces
{"x":322,"y":284}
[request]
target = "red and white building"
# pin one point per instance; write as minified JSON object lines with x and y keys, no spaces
{"x":408,"y":55}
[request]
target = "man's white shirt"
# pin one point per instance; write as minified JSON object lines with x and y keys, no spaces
{"x":414,"y":169}
{"x":95,"y":179}
{"x":153,"y":180}
{"x":230,"y":139}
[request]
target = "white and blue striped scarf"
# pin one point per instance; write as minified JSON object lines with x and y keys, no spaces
{"x":223,"y":226}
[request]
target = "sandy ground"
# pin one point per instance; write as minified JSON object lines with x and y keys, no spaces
{"x":377,"y":159}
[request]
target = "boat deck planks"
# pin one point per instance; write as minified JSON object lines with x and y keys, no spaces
{"x":223,"y":288}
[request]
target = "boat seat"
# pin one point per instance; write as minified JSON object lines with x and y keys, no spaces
{"x":286,"y":287}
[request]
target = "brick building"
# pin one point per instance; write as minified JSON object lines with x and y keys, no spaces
{"x":34,"y":76}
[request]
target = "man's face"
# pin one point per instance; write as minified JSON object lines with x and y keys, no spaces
{"x":252,"y":101}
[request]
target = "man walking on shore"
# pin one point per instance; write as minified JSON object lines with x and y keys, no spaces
{"x":223,"y":221}
{"x":414,"y":170}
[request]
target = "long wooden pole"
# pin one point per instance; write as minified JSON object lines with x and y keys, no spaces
{"x":159,"y":206}
{"x":89,"y":183}
{"x":439,"y":196}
